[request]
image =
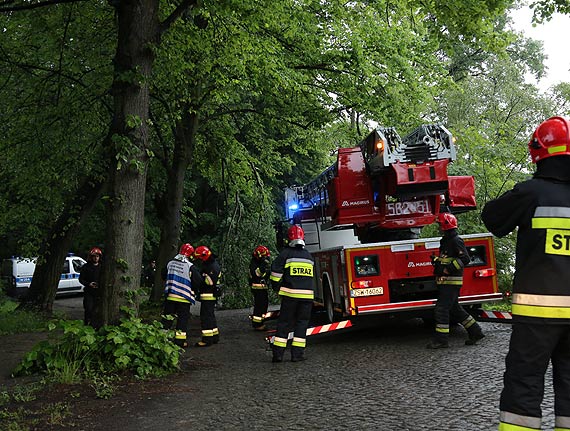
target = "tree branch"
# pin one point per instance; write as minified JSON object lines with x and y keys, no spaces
{"x":176,"y":13}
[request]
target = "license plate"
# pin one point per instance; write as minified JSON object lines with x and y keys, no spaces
{"x":371,"y":291}
{"x":407,"y":207}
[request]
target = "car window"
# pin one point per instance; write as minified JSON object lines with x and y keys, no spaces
{"x":65,"y":267}
{"x":77,"y":264}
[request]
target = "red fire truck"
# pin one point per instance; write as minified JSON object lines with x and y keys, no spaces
{"x":363,"y":216}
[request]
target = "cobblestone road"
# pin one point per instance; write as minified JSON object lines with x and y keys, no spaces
{"x":369,"y":377}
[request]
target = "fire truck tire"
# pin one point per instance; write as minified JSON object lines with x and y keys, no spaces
{"x":330,"y":314}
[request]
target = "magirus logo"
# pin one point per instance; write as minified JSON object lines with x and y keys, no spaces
{"x":353,"y":203}
{"x":416,"y":264}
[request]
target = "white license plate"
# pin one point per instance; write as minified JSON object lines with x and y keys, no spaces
{"x":407,"y":207}
{"x":367,"y":292}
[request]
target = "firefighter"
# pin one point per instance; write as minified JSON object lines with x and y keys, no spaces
{"x":292,"y":276}
{"x":89,"y":277}
{"x":448,"y":271}
{"x":259,"y":272}
{"x":210,"y":270}
{"x":183,"y":283}
{"x":540,"y":208}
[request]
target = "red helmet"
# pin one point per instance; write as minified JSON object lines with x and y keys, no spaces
{"x":296,"y":235}
{"x":95,"y":250}
{"x":447,"y":221}
{"x":203,"y":253}
{"x":551,"y":138}
{"x":261,"y":251}
{"x":186,"y":250}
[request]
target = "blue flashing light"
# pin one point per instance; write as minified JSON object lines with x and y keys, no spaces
{"x":294,"y":207}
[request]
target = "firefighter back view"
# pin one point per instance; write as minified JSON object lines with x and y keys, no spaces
{"x":210,"y":270}
{"x":448,"y":271}
{"x":259,"y":272}
{"x":292,"y":276}
{"x":540,"y":208}
{"x":183,"y":282}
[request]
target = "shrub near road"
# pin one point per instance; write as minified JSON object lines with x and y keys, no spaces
{"x":142,"y":349}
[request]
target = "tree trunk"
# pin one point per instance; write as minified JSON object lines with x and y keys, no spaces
{"x":56,"y":245}
{"x":169,"y":214}
{"x":138,"y":26}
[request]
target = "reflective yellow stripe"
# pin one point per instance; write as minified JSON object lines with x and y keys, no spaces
{"x":296,"y":293}
{"x":544,"y":300}
{"x":551,"y":222}
{"x":207,"y":297}
{"x":299,"y":342}
{"x":451,"y":280}
{"x":280,"y":342}
{"x":514,"y":422}
{"x":510,"y":427}
{"x":557,"y":149}
{"x":539,"y":311}
{"x":176,"y":298}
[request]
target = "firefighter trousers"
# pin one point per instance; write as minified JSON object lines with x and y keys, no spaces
{"x":447,"y":309}
{"x":89,"y":305}
{"x":181,"y":310}
{"x":260,"y":305}
{"x":531,"y":349}
{"x":294,"y":316}
{"x":208,"y":323}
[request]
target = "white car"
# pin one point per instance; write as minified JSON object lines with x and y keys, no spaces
{"x":18,"y":273}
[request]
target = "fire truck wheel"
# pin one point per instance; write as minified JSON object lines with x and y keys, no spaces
{"x":330,"y":314}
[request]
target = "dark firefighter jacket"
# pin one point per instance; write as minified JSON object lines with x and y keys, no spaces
{"x":292,"y":273}
{"x":453,"y":256}
{"x":540,"y":208}
{"x":259,"y":272}
{"x":211,"y":273}
{"x":90,"y":273}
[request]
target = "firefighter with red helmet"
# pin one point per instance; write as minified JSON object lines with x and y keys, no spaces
{"x":89,"y":277}
{"x":448,"y":271}
{"x":259,"y":272}
{"x":183,"y":283}
{"x":540,"y":208}
{"x":292,"y":276}
{"x":210,"y":270}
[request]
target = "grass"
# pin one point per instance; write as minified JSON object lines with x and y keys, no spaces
{"x":13,"y":321}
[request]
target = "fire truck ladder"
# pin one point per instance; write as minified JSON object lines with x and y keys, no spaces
{"x":314,"y":194}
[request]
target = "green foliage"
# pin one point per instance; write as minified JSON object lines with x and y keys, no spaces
{"x":54,"y":113}
{"x":544,"y":9}
{"x":13,"y":321}
{"x":132,"y":346}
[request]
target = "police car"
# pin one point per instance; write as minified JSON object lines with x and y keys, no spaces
{"x":17,"y":272}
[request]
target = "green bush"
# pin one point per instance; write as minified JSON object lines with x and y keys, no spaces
{"x":75,"y":351}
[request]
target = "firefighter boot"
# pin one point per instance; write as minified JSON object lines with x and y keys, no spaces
{"x":438,"y":342}
{"x":278,"y":354}
{"x":475,"y":334}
